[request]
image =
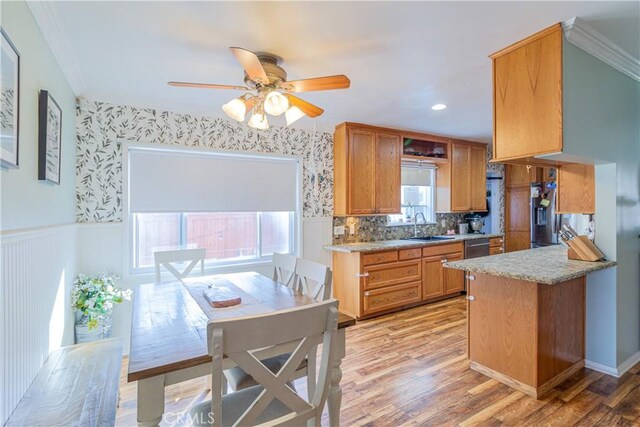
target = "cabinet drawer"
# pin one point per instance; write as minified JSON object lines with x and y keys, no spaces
{"x":393,"y":296}
{"x":496,"y":250}
{"x":442,"y":249}
{"x":414,"y":253}
{"x":379,"y":257}
{"x":380,"y":276}
{"x":496,"y":241}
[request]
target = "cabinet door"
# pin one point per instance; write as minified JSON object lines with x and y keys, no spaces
{"x":362,"y":148}
{"x":388,"y":162}
{"x":478,"y":178}
{"x":495,"y":250}
{"x":521,"y":175}
{"x":576,"y":189}
{"x":460,"y":177}
{"x":453,"y":279}
{"x":432,"y":275}
{"x":517,"y":218}
{"x":527,"y":97}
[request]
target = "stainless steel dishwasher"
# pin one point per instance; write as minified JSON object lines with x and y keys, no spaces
{"x":474,"y":248}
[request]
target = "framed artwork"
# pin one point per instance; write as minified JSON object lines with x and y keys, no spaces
{"x":9,"y":101}
{"x":49,"y":138}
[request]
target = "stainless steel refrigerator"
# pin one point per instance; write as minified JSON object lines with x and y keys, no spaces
{"x":545,"y":223}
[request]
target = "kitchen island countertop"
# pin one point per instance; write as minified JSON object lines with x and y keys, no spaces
{"x":381,"y":245}
{"x":548,"y":265}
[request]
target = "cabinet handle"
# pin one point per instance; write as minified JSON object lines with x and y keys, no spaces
{"x":366,"y":294}
{"x":471,"y":277}
{"x":471,"y":298}
{"x":362,"y":275}
{"x":443,"y":260}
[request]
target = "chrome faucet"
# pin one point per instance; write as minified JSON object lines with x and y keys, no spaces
{"x":415,"y":223}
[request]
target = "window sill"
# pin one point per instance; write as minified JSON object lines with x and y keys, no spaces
{"x":408,"y":224}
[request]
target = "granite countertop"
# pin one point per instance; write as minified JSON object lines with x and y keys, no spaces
{"x":382,"y":245}
{"x":548,"y":265}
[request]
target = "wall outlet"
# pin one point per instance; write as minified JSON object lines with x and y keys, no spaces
{"x":352,"y":229}
{"x":443,"y":223}
{"x":338,"y":230}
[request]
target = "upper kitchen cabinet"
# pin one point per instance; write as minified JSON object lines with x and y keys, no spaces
{"x":527,"y":97}
{"x":366,"y":170}
{"x":461,"y":183}
{"x":576,"y":189}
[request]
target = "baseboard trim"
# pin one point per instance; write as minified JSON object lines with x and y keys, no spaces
{"x":628,"y":364}
{"x":594,"y":366}
{"x":615,"y":372}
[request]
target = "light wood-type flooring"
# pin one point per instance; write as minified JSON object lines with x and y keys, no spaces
{"x":410,"y":368}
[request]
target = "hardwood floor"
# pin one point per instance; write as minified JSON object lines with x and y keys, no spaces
{"x":410,"y":368}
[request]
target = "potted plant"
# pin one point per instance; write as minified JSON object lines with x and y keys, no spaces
{"x":93,"y":298}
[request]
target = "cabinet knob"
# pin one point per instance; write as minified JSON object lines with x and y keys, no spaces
{"x":471,"y":277}
{"x":471,"y":298}
{"x":366,"y":294}
{"x":443,"y":260}
{"x":362,"y":275}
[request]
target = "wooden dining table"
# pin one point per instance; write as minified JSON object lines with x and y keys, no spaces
{"x":169,"y":335}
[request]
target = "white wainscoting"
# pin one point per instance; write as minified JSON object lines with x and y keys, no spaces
{"x":316,"y":233}
{"x":37,"y":270}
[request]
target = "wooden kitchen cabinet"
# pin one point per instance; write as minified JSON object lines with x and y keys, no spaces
{"x":576,"y":189}
{"x":496,"y":245}
{"x":525,"y":334}
{"x":462,"y":183}
{"x":527,"y":97}
{"x":372,"y":283}
{"x":366,"y":171}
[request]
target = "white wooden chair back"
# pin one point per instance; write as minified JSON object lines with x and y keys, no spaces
{"x":303,"y":327}
{"x":166,"y":259}
{"x":313,"y":279}
{"x":284,"y":269}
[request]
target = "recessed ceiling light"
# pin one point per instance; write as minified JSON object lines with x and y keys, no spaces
{"x":438,"y":107}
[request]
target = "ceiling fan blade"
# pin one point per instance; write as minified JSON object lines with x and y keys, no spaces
{"x":320,"y":83}
{"x":251,"y":64}
{"x":206,"y":86}
{"x":306,"y":107}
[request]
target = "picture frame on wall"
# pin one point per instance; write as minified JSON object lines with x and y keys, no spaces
{"x":49,"y":138}
{"x":9,"y":102}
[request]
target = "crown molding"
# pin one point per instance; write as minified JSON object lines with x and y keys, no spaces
{"x":47,"y":19}
{"x":579,"y":33}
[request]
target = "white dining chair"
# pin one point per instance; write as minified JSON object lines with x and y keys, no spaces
{"x":284,"y":269}
{"x":311,"y":279}
{"x":272,"y":401}
{"x":167,"y":259}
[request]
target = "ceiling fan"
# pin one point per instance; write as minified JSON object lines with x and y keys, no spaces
{"x":268,"y":91}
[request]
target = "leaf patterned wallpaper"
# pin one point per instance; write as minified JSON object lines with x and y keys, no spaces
{"x":99,"y":155}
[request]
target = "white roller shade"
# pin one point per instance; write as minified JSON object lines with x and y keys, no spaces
{"x":179,"y":181}
{"x":416,"y":176}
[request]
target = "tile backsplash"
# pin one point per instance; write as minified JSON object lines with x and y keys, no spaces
{"x":373,"y":228}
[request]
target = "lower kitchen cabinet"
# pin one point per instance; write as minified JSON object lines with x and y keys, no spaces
{"x":372,"y":283}
{"x":496,"y":245}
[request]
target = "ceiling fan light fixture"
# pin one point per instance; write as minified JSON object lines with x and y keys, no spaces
{"x":236,"y":108}
{"x":259,"y":121}
{"x":293,"y":114}
{"x":275,"y":103}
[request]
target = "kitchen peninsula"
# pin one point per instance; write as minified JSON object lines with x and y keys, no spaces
{"x":526,"y":316}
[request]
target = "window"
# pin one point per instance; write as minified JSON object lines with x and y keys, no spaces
{"x":229,"y":237}
{"x":417,"y":195}
{"x":240,"y":207}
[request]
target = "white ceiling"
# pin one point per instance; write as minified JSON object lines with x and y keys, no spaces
{"x":401,"y":57}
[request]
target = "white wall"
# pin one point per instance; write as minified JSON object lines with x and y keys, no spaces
{"x":37,"y":230}
{"x":25,"y":201}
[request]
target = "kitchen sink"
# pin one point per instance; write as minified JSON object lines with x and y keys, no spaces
{"x":429,"y":238}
